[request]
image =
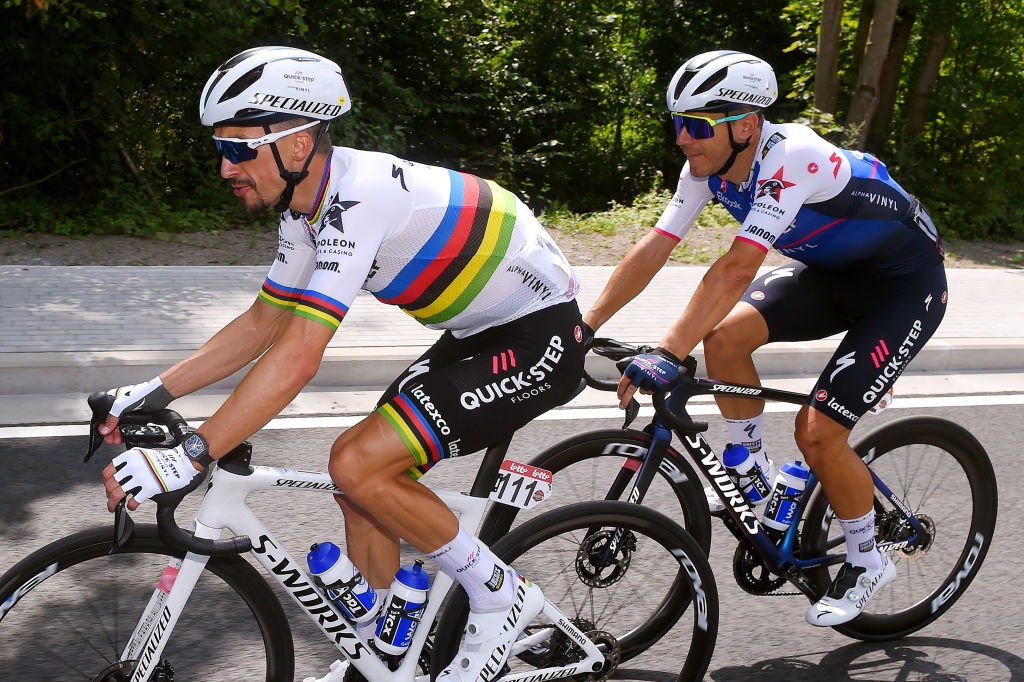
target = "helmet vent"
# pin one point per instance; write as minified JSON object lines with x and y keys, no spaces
{"x":712,"y":81}
{"x":240,"y":85}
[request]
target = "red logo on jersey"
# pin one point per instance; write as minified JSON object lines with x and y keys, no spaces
{"x":812,"y":167}
{"x":578,"y":333}
{"x":773,"y":186}
{"x":757,"y":295}
{"x":945,"y":296}
{"x":821,"y":395}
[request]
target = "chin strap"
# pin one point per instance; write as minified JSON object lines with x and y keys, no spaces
{"x":292,"y":178}
{"x":737,"y":147}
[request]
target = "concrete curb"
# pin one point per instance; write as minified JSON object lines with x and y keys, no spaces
{"x":346,"y":368}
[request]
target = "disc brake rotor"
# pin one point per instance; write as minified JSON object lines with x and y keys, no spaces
{"x":603,"y":557}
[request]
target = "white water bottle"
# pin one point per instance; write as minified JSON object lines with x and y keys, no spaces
{"x":753,"y":477}
{"x":344,"y":584}
{"x":404,"y":608}
{"x":789,"y":486}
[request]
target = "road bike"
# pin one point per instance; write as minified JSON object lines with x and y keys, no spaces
{"x":158,"y":602}
{"x":935,"y":499}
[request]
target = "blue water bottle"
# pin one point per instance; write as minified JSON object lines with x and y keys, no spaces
{"x":403,"y":610}
{"x":789,"y":486}
{"x":344,"y":584}
{"x":752,"y":480}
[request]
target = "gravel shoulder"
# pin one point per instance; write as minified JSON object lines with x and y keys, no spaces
{"x":248,"y":247}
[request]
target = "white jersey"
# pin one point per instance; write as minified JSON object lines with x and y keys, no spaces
{"x":814,"y":202}
{"x":453,"y":251}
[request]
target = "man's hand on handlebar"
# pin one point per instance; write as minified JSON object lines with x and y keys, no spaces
{"x":149,"y":396}
{"x":145,"y":472}
{"x":648,"y":372}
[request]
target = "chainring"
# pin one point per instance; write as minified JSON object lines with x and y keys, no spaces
{"x":751,"y":574}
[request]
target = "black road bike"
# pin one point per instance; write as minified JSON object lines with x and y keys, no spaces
{"x":935,"y":500}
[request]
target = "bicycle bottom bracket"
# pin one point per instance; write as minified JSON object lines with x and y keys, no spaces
{"x":603,"y":557}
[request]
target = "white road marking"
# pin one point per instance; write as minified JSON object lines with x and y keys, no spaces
{"x":560,"y":414}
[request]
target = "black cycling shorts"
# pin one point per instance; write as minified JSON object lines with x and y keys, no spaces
{"x":887,"y":319}
{"x":463,"y":395}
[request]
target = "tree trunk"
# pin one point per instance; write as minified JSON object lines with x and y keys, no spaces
{"x":890,"y":83}
{"x":860,"y":39}
{"x":826,"y":76}
{"x":865,"y":97}
{"x":926,"y":80}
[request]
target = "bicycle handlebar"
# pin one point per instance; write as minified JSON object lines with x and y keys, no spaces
{"x":149,"y":434}
{"x":623,"y":354}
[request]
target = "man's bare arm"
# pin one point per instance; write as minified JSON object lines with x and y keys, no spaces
{"x":631,"y":276}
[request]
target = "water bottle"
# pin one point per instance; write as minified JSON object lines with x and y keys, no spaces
{"x":402,"y":612}
{"x":752,"y":477}
{"x":344,"y":584}
{"x":789,"y":486}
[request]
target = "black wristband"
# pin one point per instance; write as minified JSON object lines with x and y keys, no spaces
{"x":667,"y":354}
{"x":197,"y":449}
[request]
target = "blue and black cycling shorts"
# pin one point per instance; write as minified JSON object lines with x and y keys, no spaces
{"x":887,"y":319}
{"x":463,"y":395}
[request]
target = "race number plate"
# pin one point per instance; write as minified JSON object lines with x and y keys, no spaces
{"x":521,"y":485}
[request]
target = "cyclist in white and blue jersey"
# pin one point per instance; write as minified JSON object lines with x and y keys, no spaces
{"x":867,"y":261}
{"x":456,"y":252}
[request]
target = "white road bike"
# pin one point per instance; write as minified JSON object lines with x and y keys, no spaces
{"x":156,"y":602}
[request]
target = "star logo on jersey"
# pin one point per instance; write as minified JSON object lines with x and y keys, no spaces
{"x":773,"y":186}
{"x":332,"y":216}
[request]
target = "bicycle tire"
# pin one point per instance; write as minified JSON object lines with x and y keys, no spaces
{"x":550,"y":550}
{"x":86,"y":603}
{"x":943,"y":474}
{"x":597,"y":455}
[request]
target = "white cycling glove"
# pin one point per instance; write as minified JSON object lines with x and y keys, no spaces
{"x":148,"y":396}
{"x":145,"y":472}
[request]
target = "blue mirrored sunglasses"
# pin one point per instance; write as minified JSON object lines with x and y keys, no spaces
{"x":702,"y":127}
{"x":239,"y":149}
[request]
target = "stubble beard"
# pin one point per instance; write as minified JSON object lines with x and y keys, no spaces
{"x":260,"y":205}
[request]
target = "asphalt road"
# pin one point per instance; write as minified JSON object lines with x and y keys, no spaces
{"x":760,"y":638}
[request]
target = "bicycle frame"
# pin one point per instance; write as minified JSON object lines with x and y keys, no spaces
{"x":740,"y":518}
{"x":224,"y":508}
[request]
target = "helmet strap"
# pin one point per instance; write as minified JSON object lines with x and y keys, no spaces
{"x":737,"y":147}
{"x":292,"y":178}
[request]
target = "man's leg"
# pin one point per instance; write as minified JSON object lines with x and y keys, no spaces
{"x":850,"y":490}
{"x":728,"y":353}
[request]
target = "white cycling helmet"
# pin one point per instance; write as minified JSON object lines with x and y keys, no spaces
{"x":720,"y":81}
{"x":267,"y":85}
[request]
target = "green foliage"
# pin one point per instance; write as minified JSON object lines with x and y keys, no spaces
{"x":561,"y":101}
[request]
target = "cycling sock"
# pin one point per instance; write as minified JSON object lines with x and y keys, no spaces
{"x":860,"y":542}
{"x":485,"y":577}
{"x":748,"y":432}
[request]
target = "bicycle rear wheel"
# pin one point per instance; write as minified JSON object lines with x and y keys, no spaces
{"x":944,"y":476}
{"x":67,"y":610}
{"x":654,"y":599}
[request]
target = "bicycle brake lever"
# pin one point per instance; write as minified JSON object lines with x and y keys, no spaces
{"x":99,"y":404}
{"x":124,"y":526}
{"x":632,"y":410}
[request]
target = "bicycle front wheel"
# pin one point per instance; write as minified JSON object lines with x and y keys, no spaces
{"x":944,"y":476}
{"x":587,"y":467}
{"x":67,"y":611}
{"x":628,"y":575}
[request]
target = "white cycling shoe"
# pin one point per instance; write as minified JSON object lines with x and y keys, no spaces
{"x":489,"y":636}
{"x":849,"y":593}
{"x":336,"y":674}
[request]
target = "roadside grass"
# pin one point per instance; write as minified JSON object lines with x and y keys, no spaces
{"x":706,"y":241}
